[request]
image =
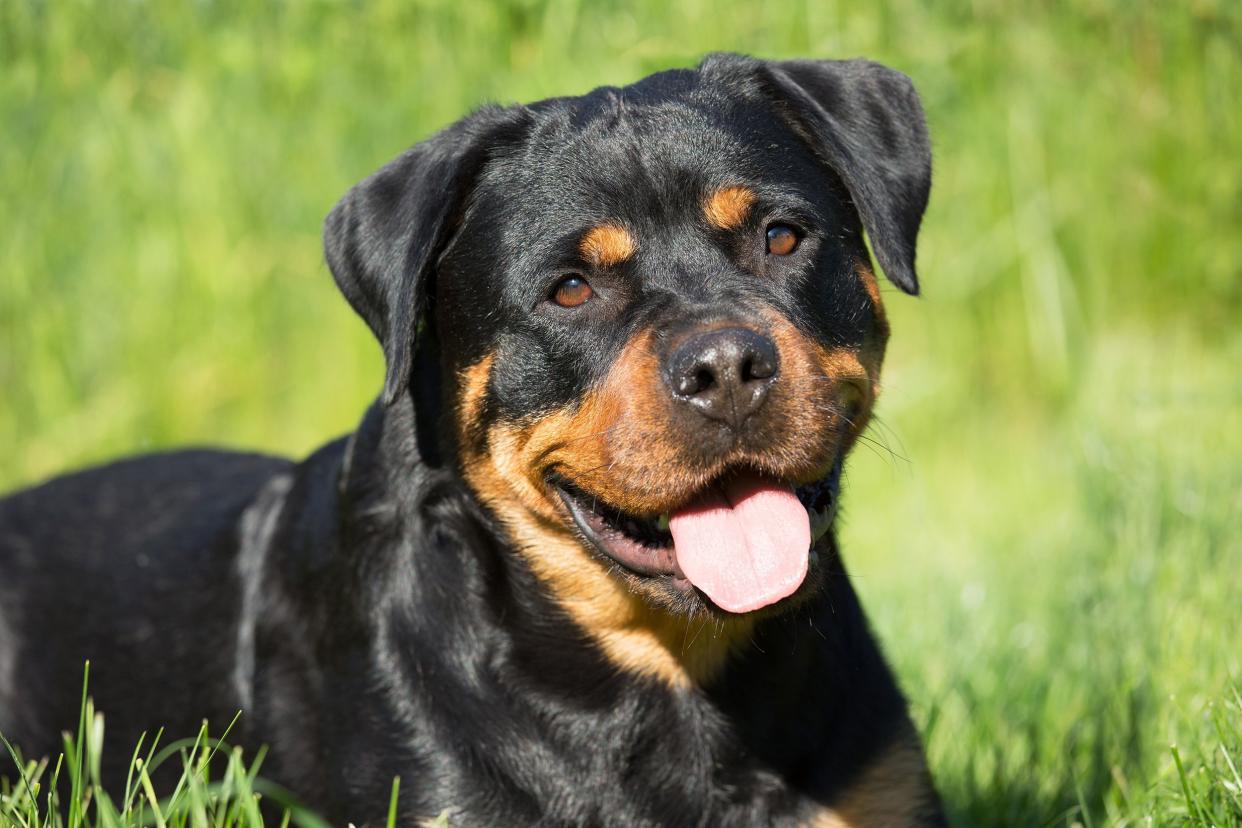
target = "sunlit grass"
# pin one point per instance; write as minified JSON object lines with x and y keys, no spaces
{"x":1046,"y":532}
{"x":65,"y":791}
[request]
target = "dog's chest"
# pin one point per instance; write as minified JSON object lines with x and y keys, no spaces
{"x":643,"y":763}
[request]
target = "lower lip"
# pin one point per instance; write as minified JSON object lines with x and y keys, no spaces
{"x":579,"y":516}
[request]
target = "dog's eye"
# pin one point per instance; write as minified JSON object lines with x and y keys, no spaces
{"x":782,"y":240}
{"x":571,"y":291}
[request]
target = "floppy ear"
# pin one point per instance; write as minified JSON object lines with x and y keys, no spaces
{"x":865,"y":121}
{"x":383,"y":239}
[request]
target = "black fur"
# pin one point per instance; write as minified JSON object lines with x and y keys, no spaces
{"x":364,"y":609}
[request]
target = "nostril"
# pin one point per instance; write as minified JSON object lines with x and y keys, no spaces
{"x":695,"y":380}
{"x":760,"y":364}
{"x":756,"y":368}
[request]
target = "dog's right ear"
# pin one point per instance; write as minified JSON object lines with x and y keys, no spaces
{"x":383,"y":239}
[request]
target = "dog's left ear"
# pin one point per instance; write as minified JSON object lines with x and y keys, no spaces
{"x":383,"y":239}
{"x":866,"y":123}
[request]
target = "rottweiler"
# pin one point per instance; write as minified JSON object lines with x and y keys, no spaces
{"x":577,"y":565}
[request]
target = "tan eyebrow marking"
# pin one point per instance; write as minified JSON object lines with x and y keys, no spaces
{"x":607,"y":244}
{"x":728,"y":207}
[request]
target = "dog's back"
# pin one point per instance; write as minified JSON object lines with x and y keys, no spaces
{"x":135,"y":561}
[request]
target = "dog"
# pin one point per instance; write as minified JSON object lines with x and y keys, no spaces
{"x":577,"y":565}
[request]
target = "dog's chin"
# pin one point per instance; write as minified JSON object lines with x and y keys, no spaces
{"x":640,"y":550}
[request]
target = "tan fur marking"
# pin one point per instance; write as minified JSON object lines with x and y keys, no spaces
{"x":853,"y":375}
{"x":893,"y":792}
{"x":506,"y":467}
{"x":867,"y":275}
{"x":607,"y":245}
{"x":869,"y":282}
{"x":618,"y":442}
{"x":636,"y":637}
{"x":872,"y":351}
{"x":728,"y":207}
{"x":474,"y":389}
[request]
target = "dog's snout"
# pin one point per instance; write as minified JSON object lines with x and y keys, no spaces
{"x":725,"y":374}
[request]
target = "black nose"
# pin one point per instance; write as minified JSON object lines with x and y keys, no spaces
{"x":725,"y":374}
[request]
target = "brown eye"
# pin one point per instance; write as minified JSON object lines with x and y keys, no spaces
{"x":782,"y":240}
{"x":571,"y":292}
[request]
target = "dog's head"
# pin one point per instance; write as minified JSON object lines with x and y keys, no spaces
{"x":655,"y":316}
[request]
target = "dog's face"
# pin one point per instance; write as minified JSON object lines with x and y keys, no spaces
{"x":656,"y":317}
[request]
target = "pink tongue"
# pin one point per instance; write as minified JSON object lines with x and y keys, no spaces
{"x":745,"y":544}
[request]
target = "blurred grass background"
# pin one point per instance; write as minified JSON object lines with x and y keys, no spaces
{"x":1049,"y":539}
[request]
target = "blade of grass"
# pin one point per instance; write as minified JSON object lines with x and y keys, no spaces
{"x":129,"y":774}
{"x":145,"y":781}
{"x":21,"y":773}
{"x":1191,"y":808}
{"x":392,"y":802}
{"x":74,"y":753}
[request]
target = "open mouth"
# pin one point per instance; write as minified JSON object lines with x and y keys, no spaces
{"x":745,"y":541}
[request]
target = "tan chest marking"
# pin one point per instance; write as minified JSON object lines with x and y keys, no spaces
{"x":893,"y":792}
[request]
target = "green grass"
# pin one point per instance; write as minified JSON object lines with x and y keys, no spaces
{"x":67,"y":793}
{"x":1048,"y":535}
